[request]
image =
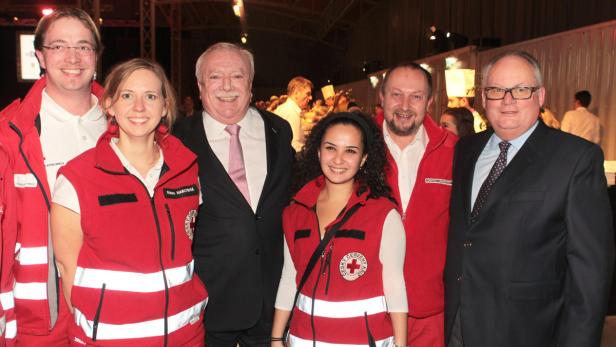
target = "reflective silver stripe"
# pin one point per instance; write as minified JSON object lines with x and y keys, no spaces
{"x":32,"y":255}
{"x":149,"y":328}
{"x":342,"y":309}
{"x":295,"y":341}
{"x":7,"y":301}
{"x":136,"y":282}
{"x":30,"y":291}
{"x":11,"y":330}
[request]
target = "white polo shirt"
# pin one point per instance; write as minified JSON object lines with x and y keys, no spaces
{"x":64,"y":135}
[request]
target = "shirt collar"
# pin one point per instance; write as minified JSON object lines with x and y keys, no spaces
{"x":420,"y":138}
{"x":518,"y":142}
{"x":247,"y":124}
{"x":293,"y":105}
{"x":59,"y":113}
{"x":113,"y":143}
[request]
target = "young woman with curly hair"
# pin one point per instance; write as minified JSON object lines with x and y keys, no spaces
{"x":342,"y":280}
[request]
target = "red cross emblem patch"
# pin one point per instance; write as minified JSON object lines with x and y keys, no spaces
{"x":189,"y":223}
{"x":353,"y":266}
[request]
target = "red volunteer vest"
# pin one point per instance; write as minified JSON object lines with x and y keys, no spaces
{"x":343,"y":297}
{"x":134,"y":284}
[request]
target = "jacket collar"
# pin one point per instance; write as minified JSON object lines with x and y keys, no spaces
{"x":309,"y":194}
{"x":23,"y":113}
{"x":177,"y":157}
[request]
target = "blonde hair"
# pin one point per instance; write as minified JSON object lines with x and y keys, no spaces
{"x":298,"y":83}
{"x":120,"y":73}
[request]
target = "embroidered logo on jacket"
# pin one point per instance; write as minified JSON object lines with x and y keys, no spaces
{"x":442,"y":181}
{"x":353,"y":266}
{"x":189,"y":223}
{"x":181,"y":192}
{"x":24,"y":180}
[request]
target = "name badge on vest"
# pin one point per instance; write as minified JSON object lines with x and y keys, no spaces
{"x":442,"y":181}
{"x":353,"y":266}
{"x":24,"y":180}
{"x":176,"y":193}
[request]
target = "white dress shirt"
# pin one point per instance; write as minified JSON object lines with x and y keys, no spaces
{"x":407,"y":160}
{"x":582,"y":123}
{"x":290,"y":112}
{"x":488,"y":157}
{"x":252,"y":139}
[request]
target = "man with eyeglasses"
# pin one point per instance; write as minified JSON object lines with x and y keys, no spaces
{"x":530,"y":251}
{"x":57,"y":120}
{"x":420,"y":159}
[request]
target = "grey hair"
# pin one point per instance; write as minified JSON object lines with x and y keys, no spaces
{"x":244,"y":53}
{"x":529,"y":58}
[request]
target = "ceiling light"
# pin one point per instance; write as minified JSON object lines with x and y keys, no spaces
{"x":47,"y":11}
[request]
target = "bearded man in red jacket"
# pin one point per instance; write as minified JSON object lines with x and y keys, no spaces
{"x":420,"y":158}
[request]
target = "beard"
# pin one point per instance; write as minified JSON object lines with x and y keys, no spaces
{"x":400,"y":129}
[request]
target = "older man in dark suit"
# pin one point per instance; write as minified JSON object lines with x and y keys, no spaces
{"x":530,"y":250}
{"x":245,"y":158}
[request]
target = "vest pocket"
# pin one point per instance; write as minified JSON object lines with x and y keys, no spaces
{"x":97,"y":316}
{"x":172,"y":228}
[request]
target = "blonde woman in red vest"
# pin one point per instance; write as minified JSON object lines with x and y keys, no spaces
{"x":342,"y":281}
{"x":122,"y":222}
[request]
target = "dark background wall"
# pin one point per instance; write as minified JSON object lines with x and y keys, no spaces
{"x":398,"y":29}
{"x":393,"y":30}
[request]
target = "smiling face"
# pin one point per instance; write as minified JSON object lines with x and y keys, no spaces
{"x":341,"y":153}
{"x":225,"y":84}
{"x":302,"y":97}
{"x":405,"y":100}
{"x":67,"y":72}
{"x":138,"y":105}
{"x":509,"y":117}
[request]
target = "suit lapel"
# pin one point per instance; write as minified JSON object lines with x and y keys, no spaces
{"x":271,"y":146}
{"x":215,"y":169}
{"x":528,"y":154}
{"x":467,"y":160}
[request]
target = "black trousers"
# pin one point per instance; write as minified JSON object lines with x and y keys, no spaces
{"x":455,"y":339}
{"x":258,"y":335}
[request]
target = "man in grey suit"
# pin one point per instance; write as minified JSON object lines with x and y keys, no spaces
{"x":530,"y":250}
{"x":245,"y":158}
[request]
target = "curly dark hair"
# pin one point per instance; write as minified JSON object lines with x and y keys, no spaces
{"x":372,"y":174}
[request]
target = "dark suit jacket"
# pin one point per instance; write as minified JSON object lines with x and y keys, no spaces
{"x":239,"y":253}
{"x":535,"y":268}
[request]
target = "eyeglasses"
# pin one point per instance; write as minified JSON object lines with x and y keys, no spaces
{"x":62,"y":49}
{"x":517,"y":93}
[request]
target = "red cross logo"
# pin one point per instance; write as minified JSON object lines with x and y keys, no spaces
{"x":353,"y":266}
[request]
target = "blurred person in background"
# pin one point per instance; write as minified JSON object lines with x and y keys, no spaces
{"x":458,"y":120}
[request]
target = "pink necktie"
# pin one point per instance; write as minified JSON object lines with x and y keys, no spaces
{"x":236,"y":169}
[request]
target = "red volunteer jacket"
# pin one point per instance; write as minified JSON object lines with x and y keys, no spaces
{"x":30,"y":266}
{"x":426,"y":221}
{"x":343,"y":296}
{"x":134,"y":283}
{"x":8,"y":326}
